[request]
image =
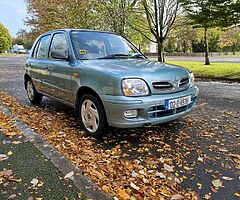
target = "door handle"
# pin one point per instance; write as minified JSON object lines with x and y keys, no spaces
{"x":45,"y":68}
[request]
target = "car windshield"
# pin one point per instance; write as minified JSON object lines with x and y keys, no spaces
{"x":99,"y":45}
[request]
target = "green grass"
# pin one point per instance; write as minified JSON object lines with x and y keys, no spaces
{"x":215,"y":70}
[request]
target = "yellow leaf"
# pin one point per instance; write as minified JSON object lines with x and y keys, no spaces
{"x":9,"y":153}
{"x":123,"y":194}
{"x":199,"y":186}
{"x":105,"y":188}
{"x":11,"y":133}
{"x":237,"y":194}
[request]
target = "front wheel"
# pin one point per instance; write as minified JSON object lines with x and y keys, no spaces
{"x":33,"y":95}
{"x":92,"y":116}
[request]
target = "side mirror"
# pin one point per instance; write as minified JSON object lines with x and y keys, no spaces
{"x":58,"y":54}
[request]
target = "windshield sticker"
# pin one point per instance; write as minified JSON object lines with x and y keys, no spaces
{"x":82,"y":51}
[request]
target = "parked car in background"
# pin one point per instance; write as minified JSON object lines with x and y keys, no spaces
{"x":19,"y":49}
{"x":107,"y":80}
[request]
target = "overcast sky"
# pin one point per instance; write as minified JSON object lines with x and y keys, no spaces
{"x":12,"y":14}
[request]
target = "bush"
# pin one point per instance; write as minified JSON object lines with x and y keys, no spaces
{"x":5,"y":39}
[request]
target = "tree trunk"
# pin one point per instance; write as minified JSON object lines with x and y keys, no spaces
{"x":160,"y":52}
{"x":207,"y":62}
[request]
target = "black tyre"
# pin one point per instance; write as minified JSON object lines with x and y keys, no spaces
{"x":92,"y":116}
{"x":33,"y":95}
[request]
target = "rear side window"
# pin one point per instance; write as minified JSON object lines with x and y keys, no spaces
{"x":59,"y":42}
{"x":42,"y":52}
{"x":34,"y":54}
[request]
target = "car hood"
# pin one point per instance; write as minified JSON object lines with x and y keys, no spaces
{"x":140,"y":68}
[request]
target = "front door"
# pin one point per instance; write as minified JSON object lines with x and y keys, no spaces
{"x":60,"y":71}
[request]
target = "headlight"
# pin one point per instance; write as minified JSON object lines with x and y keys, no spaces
{"x":134,"y":87}
{"x":191,"y":79}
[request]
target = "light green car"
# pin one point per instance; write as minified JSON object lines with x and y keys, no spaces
{"x":107,"y":80}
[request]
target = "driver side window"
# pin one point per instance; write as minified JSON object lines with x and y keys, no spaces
{"x":59,"y":43}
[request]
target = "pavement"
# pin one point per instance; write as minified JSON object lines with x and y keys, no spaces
{"x":213,"y":129}
{"x":27,"y":164}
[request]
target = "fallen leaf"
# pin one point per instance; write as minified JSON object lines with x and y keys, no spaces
{"x":237,"y":194}
{"x":177,"y":196}
{"x":3,"y":157}
{"x":134,"y":174}
{"x":105,"y":188}
{"x":12,"y":196}
{"x":11,"y":134}
{"x":134,"y":186}
{"x":200,"y":159}
{"x":167,"y":167}
{"x":69,"y":175}
{"x":34,"y":182}
{"x":160,"y":174}
{"x":199,"y":186}
{"x":9,"y":153}
{"x":16,"y":142}
{"x":217,"y":183}
{"x":123,"y":194}
{"x":207,"y":196}
{"x":6,"y":173}
{"x":227,"y":178}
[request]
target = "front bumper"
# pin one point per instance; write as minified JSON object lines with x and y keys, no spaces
{"x":151,"y":109}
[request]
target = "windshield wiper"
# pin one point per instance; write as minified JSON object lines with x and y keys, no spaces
{"x":119,"y":55}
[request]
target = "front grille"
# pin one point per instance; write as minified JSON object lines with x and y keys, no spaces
{"x":184,"y":82}
{"x":159,"y":111}
{"x":163,"y":85}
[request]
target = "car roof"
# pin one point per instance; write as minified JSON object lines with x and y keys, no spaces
{"x":81,"y":30}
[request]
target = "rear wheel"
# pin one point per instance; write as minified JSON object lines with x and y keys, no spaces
{"x":92,"y":116}
{"x":33,"y":95}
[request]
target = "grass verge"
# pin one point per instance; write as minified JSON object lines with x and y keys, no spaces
{"x":215,"y":70}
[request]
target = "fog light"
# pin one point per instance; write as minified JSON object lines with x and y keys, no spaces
{"x":130,"y":113}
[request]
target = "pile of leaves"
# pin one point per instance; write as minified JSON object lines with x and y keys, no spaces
{"x":7,"y":126}
{"x":138,"y":164}
{"x":111,"y":169}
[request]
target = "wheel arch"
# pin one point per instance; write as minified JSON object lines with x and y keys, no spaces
{"x":87,"y":90}
{"x":26,"y":78}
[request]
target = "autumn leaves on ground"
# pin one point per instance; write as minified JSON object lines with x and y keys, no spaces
{"x":149,"y":163}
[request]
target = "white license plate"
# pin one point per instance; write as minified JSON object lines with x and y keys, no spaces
{"x":177,"y":103}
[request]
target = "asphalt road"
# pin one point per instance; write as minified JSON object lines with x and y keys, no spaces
{"x":213,"y":128}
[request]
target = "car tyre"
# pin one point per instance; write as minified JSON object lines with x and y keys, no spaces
{"x":33,"y":96}
{"x":92,"y":116}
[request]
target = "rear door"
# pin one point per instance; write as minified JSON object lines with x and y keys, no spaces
{"x":38,"y":63}
{"x":60,"y":70}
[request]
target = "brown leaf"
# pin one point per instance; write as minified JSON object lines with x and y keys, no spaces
{"x":177,"y":196}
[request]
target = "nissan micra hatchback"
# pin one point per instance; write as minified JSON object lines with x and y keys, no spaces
{"x":107,"y":80}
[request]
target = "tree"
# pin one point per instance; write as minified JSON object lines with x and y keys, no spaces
{"x":211,"y":13}
{"x":5,"y":39}
{"x":181,"y":37}
{"x":108,"y":15}
{"x":114,"y":15}
{"x":45,"y":15}
{"x":23,"y":38}
{"x":230,"y":39}
{"x":160,"y":15}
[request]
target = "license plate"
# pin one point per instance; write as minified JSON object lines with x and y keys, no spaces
{"x":177,"y":103}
